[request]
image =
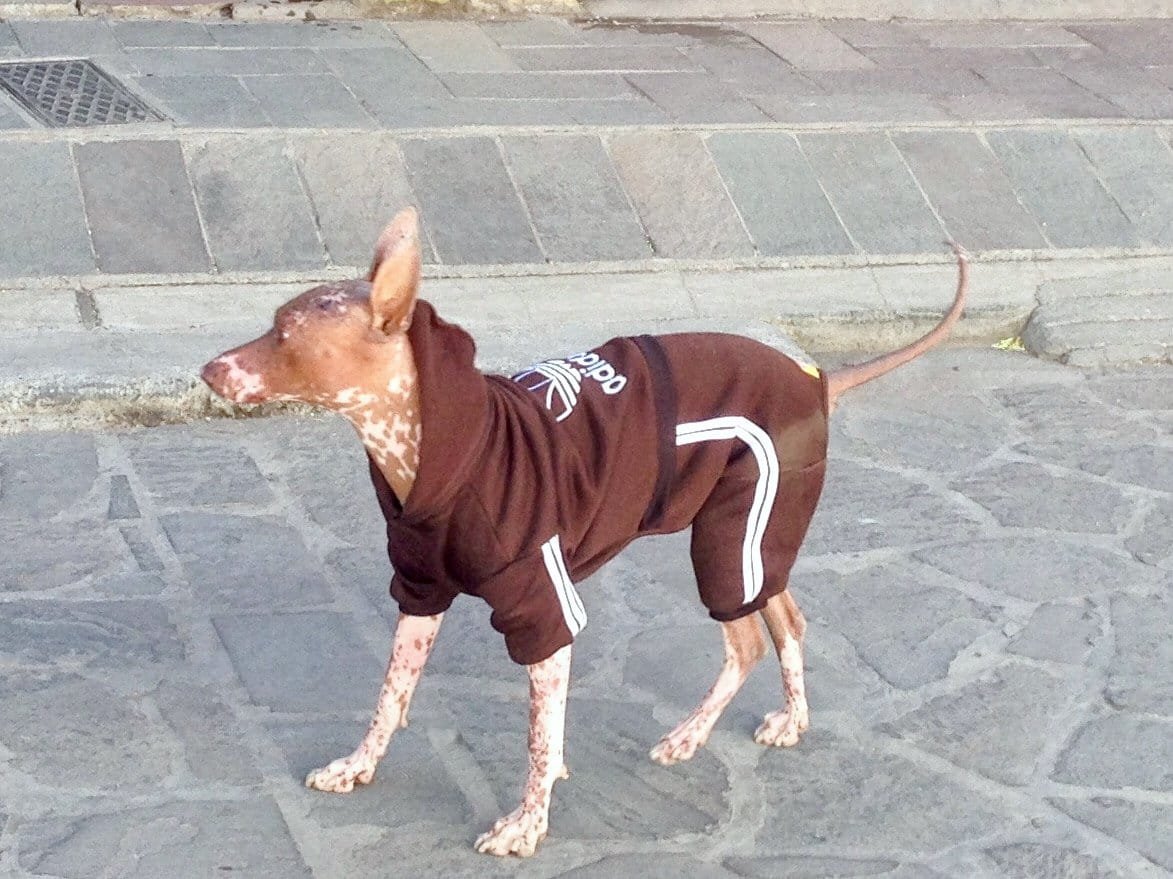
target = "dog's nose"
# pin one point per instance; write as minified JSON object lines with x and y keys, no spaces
{"x":213,"y":374}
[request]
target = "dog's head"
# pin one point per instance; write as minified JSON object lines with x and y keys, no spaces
{"x":339,"y":345}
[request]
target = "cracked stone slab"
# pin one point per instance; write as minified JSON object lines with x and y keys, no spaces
{"x":411,"y":783}
{"x":245,"y":561}
{"x":1037,"y":568}
{"x":868,"y":507}
{"x":1018,"y":701}
{"x":1058,"y":632}
{"x":321,"y":675}
{"x":1026,"y":860}
{"x":1066,"y":503}
{"x":615,"y":791}
{"x":1110,"y":329}
{"x":183,"y":840}
{"x":211,"y":735}
{"x":829,"y":793}
{"x":911,"y":631}
{"x":181,"y":471}
{"x":34,"y":483}
{"x":102,"y":740}
{"x":47,"y":555}
{"x":103,"y":635}
{"x":1147,"y":827}
{"x":1140,"y":673}
{"x":1117,"y":751}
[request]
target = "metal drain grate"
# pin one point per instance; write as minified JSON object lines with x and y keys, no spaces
{"x":72,"y":93}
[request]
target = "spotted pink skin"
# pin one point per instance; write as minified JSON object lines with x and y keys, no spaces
{"x":414,"y":638}
{"x":519,"y":832}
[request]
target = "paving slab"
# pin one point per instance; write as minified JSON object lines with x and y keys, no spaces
{"x":873,"y":193}
{"x":139,"y":204}
{"x":984,"y":212}
{"x":1051,"y":176}
{"x":575,"y":199}
{"x":462,"y":183}
{"x":672,"y":180}
{"x":314,"y":678}
{"x":696,"y":98}
{"x":41,"y":187}
{"x":1144,"y":825}
{"x":211,"y":101}
{"x":1137,"y":170}
{"x":255,"y":211}
{"x":308,"y":101}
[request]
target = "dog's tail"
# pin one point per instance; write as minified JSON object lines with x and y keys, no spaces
{"x":848,"y":377}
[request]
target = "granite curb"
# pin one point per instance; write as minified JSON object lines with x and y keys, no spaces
{"x":129,"y":354}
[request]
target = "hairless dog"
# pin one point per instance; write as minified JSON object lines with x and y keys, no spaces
{"x":516,"y":490}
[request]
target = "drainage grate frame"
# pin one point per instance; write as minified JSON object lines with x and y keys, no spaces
{"x":73,"y":93}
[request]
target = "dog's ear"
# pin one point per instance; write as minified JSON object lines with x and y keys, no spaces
{"x":395,"y":272}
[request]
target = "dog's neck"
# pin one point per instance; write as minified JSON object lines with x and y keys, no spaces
{"x":387,"y":419}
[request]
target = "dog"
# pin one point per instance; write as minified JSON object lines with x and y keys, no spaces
{"x":514,"y":490}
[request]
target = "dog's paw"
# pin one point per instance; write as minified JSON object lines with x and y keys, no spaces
{"x":341,"y":776}
{"x":679,"y":745}
{"x":518,"y":833}
{"x":782,"y":729}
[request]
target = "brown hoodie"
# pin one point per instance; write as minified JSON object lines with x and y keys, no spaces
{"x":527,"y":486}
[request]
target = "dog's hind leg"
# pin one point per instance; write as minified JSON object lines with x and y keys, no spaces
{"x":787,"y":627}
{"x":744,"y":646}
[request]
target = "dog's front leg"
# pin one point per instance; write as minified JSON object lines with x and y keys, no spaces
{"x":414,"y":637}
{"x":519,"y":832}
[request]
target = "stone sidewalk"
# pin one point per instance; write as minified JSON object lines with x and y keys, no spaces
{"x":191,"y":617}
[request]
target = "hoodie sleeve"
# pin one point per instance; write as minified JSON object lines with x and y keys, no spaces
{"x":535,"y":605}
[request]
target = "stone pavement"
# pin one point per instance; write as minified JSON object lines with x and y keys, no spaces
{"x":193,"y":616}
{"x":570,"y":175}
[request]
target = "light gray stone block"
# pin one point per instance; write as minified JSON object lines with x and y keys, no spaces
{"x":45,"y":474}
{"x":751,"y":67}
{"x":1028,"y":860}
{"x":36,"y":556}
{"x":308,"y":101}
{"x":1037,"y":568}
{"x":678,"y":195}
{"x":969,"y":190}
{"x":1119,"y":750}
{"x":823,"y":108}
{"x":256,"y":214}
{"x":657,"y":866}
{"x":808,"y":46}
{"x":140,"y":206}
{"x":1021,"y":702}
{"x":620,"y":58}
{"x":453,"y":46}
{"x":300,"y":662}
{"x":777,"y":194}
{"x":1067,"y":503}
{"x":205,"y":101}
{"x":245,"y":561}
{"x":178,"y":471}
{"x":412,"y":782}
{"x":873,"y":192}
{"x":40,"y":186}
{"x":1058,"y":633}
{"x":1137,"y":169}
{"x":911,"y":633}
{"x":69,"y":39}
{"x":103,"y":636}
{"x":311,"y":34}
{"x":199,"y":61}
{"x":101,"y":739}
{"x":1056,"y":182}
{"x":142,"y":34}
{"x":383,"y":78}
{"x":214,"y":748}
{"x":575,"y":199}
{"x":352,"y":208}
{"x":539,"y":86}
{"x":469,"y":201}
{"x":183,"y":840}
{"x":1147,"y":827}
{"x":696,"y":97}
{"x":1140,"y":673}
{"x":837,"y":792}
